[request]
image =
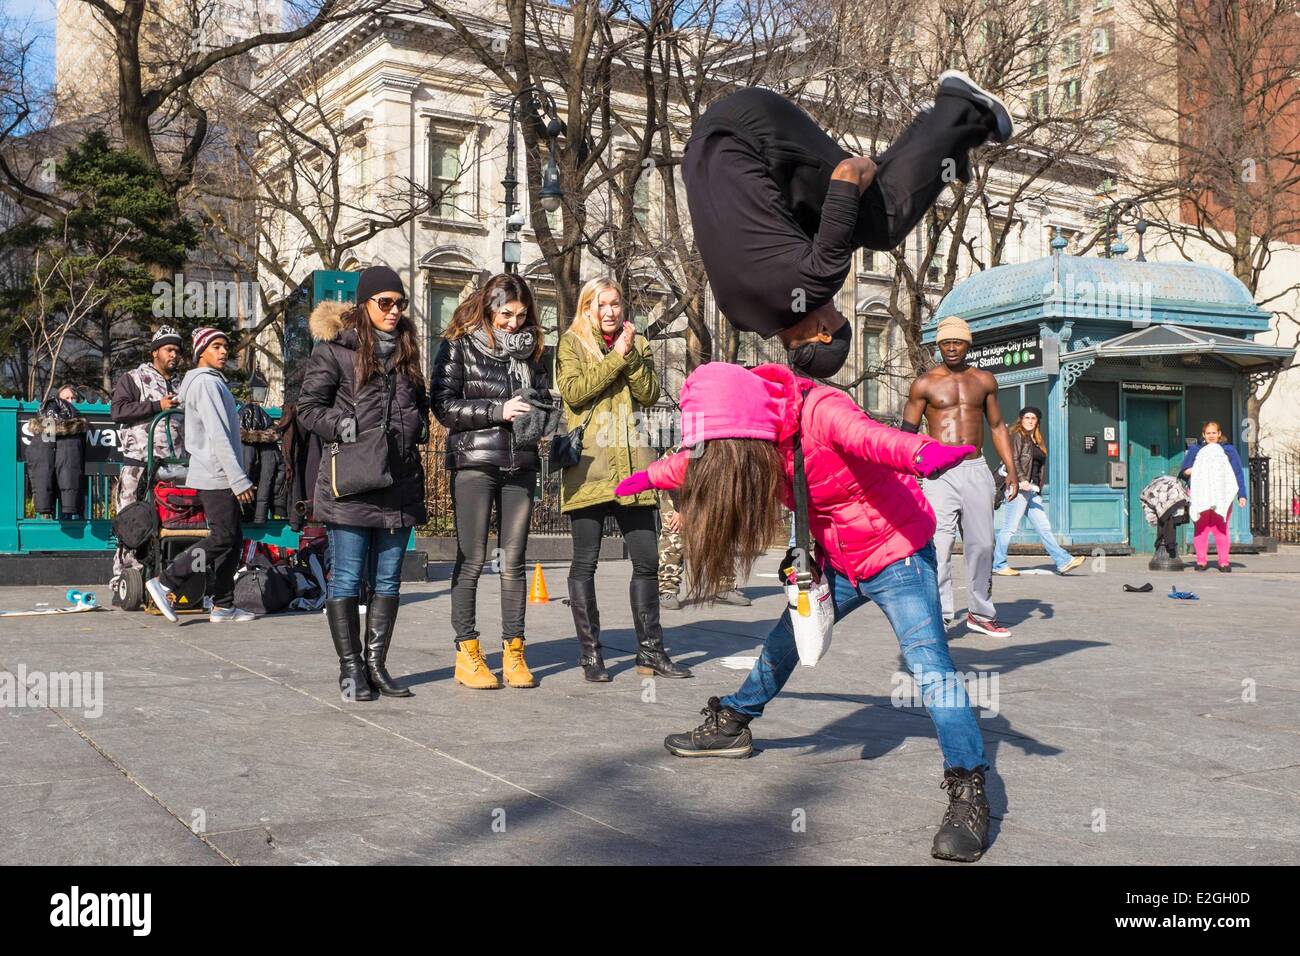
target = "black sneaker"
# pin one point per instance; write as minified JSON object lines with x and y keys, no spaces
{"x":964,"y":833}
{"x":724,"y":733}
{"x":955,"y":81}
{"x":1226,"y":568}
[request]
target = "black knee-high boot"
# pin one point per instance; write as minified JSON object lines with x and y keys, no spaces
{"x":651,"y":658}
{"x":381,"y":616}
{"x":586,"y":623}
{"x":344,"y":619}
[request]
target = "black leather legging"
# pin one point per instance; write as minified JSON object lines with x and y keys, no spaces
{"x":474,"y":493}
{"x":636,"y":522}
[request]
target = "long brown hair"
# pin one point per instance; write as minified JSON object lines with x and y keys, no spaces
{"x":732,"y":510}
{"x":476,"y":311}
{"x":407,"y":362}
{"x":1036,"y":437}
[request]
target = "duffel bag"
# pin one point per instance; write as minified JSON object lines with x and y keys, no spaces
{"x":264,"y":588}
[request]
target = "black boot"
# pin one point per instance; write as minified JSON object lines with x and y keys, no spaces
{"x":345,"y":628}
{"x":381,"y":616}
{"x":724,"y":733}
{"x":964,"y":832}
{"x":651,"y":658}
{"x":586,"y":622}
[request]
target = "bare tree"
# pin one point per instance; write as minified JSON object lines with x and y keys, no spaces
{"x":293,"y":188}
{"x":1221,"y":151}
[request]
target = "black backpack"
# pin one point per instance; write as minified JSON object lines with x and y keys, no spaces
{"x":136,"y":524}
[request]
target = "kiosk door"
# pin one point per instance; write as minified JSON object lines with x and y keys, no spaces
{"x":1153,"y":450}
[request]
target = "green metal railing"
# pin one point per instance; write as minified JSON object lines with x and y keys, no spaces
{"x":23,"y":532}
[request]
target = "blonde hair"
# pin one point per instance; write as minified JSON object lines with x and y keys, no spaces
{"x":585,"y":327}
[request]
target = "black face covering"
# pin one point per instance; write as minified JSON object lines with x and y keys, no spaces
{"x":823,"y":359}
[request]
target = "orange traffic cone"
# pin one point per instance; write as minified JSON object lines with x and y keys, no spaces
{"x":538,"y":593}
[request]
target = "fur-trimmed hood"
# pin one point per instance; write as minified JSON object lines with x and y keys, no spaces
{"x":326,"y":321}
{"x":59,"y":427}
{"x":259,"y":436}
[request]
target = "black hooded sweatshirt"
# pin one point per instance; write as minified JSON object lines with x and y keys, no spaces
{"x":775,"y":232}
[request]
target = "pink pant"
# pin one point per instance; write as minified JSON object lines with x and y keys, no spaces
{"x":1212,"y":523}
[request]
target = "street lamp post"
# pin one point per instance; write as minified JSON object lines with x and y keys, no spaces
{"x":1115,"y":213}
{"x":540,"y":101}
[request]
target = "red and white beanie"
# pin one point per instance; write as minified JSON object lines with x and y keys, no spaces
{"x":204,"y":337}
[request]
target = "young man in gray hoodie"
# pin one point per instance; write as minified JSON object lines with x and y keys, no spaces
{"x":216,"y":471}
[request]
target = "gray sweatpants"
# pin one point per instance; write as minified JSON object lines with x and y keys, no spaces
{"x":964,"y":495}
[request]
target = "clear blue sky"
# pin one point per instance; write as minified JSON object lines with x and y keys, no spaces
{"x":34,"y":19}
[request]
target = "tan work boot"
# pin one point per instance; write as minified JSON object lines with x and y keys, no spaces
{"x":472,"y":669}
{"x":513,"y":666}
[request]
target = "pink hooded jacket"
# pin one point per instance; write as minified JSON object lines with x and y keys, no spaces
{"x":865,"y":507}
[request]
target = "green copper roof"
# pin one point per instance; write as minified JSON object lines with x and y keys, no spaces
{"x":1077,"y":287}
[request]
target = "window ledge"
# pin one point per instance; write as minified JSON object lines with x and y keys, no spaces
{"x":468,"y":226}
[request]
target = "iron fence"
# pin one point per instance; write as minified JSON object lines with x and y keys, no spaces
{"x":547,"y":517}
{"x":1275,"y":497}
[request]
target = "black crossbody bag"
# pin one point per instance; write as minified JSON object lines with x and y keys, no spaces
{"x":361,"y":466}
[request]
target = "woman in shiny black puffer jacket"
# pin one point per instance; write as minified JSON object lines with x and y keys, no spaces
{"x":469,"y":392}
{"x":486,"y":371}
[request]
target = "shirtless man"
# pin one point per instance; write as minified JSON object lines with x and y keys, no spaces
{"x":955,"y":399}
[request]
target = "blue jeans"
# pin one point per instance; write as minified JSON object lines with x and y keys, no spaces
{"x":1031,"y":503}
{"x":375,"y":553}
{"x":908,"y":592}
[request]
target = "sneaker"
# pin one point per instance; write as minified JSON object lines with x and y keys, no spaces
{"x":724,"y":733}
{"x":161,"y":594}
{"x":986,"y":625}
{"x":1225,"y":568}
{"x":1202,"y":567}
{"x":964,"y":833}
{"x":228,"y":615}
{"x":669,"y":601}
{"x":955,"y":81}
{"x":734,"y":598}
{"x":1007,"y":572}
{"x":1075,"y":562}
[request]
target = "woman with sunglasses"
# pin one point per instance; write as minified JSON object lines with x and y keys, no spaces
{"x":606,"y":376}
{"x":488,"y":362}
{"x":364,"y":372}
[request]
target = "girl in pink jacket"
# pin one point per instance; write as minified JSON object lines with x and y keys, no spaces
{"x":872,"y":526}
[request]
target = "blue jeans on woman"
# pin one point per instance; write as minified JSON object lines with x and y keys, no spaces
{"x":908,"y":592}
{"x":374,"y":554}
{"x":1027,"y":503}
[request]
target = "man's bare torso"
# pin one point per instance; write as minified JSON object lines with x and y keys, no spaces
{"x":955,"y":404}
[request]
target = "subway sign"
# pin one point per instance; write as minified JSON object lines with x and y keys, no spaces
{"x":1007,"y":355}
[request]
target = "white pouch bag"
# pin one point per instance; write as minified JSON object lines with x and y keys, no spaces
{"x":812,"y":611}
{"x":812,"y":616}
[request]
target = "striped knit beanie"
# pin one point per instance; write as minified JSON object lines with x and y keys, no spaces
{"x":204,"y":337}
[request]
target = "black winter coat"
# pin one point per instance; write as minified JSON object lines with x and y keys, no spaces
{"x":56,"y":460}
{"x":328,"y":396}
{"x":469,"y":391}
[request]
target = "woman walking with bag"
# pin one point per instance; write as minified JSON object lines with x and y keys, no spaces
{"x":487,"y":369}
{"x":364,"y":395}
{"x":754,"y":437}
{"x":606,"y":377}
{"x":1214,"y":469}
{"x":1030,"y":453}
